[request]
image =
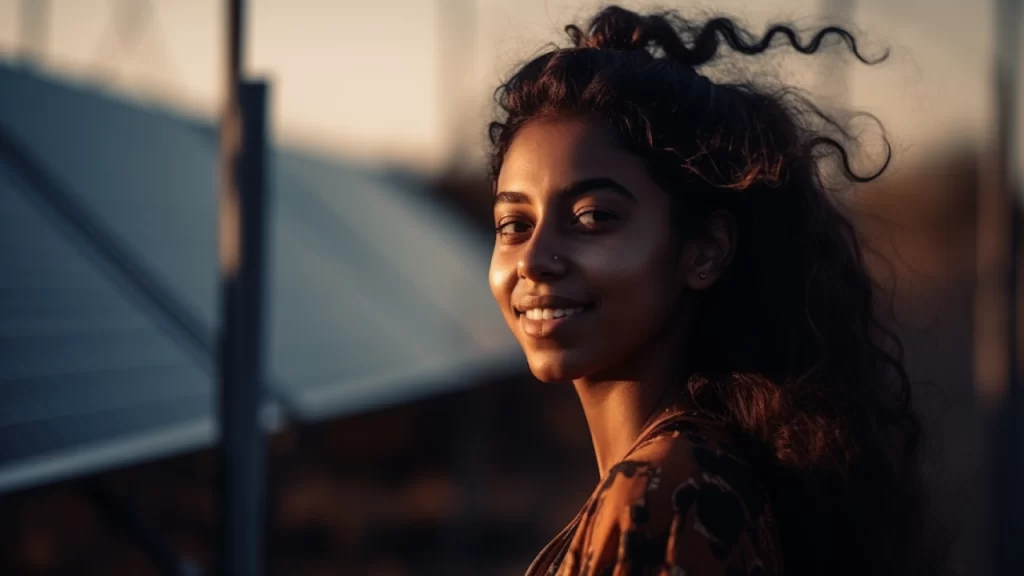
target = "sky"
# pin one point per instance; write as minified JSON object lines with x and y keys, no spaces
{"x":402,"y":80}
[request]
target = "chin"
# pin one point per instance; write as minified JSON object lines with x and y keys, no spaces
{"x":555,"y":367}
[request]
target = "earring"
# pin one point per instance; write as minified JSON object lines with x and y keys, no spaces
{"x":703,"y":275}
{"x":554,"y":257}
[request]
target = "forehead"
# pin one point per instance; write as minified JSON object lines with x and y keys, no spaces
{"x":549,"y":154}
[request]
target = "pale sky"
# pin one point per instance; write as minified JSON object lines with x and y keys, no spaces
{"x":362,"y":78}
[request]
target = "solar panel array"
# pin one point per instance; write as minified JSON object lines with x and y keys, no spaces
{"x":109,"y":289}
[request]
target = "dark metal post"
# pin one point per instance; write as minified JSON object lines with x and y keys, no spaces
{"x":836,"y":84}
{"x":457,"y":27}
{"x":33,"y":20}
{"x":1008,"y":465}
{"x":242,"y":188}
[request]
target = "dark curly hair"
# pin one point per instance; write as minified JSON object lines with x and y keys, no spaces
{"x":791,"y":346}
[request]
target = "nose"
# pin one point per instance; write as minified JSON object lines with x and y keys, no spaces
{"x":542,"y":261}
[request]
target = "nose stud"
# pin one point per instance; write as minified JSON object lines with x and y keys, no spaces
{"x":522,"y":266}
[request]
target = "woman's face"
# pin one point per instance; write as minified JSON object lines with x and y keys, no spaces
{"x":585,"y":268}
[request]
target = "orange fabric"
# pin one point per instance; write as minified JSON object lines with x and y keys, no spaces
{"x":681,"y":503}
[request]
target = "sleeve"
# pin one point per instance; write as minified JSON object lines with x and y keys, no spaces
{"x":691,"y":512}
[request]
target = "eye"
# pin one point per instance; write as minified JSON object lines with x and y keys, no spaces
{"x":511,"y":228}
{"x":594,"y":218}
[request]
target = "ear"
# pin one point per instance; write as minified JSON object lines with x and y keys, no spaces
{"x":708,"y":255}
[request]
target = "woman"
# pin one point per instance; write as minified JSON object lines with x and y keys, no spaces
{"x":665,"y":243}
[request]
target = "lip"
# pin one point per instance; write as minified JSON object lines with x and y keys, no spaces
{"x":548,"y":301}
{"x":552,"y":327}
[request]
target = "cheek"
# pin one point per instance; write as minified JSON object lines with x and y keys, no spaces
{"x":634,"y":285}
{"x":502,"y":277}
{"x":632,"y":265}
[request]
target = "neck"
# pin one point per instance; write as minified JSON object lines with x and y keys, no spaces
{"x":618,"y":409}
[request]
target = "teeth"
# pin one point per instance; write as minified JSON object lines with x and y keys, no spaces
{"x":551,"y":313}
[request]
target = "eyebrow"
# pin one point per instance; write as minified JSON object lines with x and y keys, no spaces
{"x":577,"y":188}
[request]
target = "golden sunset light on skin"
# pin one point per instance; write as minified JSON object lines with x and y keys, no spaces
{"x":583,"y":231}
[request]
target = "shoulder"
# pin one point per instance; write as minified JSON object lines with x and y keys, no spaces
{"x":684,"y":502}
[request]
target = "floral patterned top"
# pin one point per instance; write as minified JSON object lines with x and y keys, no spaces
{"x":681,"y":503}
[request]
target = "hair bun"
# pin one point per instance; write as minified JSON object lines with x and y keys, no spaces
{"x":615,"y":28}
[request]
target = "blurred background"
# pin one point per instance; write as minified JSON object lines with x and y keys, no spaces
{"x":405,"y":435}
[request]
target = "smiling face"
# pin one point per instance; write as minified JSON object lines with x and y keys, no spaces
{"x":586,"y":269}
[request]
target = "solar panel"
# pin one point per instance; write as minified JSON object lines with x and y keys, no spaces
{"x":376,"y":294}
{"x":87,"y":378}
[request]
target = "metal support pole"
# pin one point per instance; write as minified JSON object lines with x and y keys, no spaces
{"x":1008,"y":465}
{"x":836,"y":82}
{"x":242,"y":189}
{"x":33,"y":27}
{"x":456,"y":59}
